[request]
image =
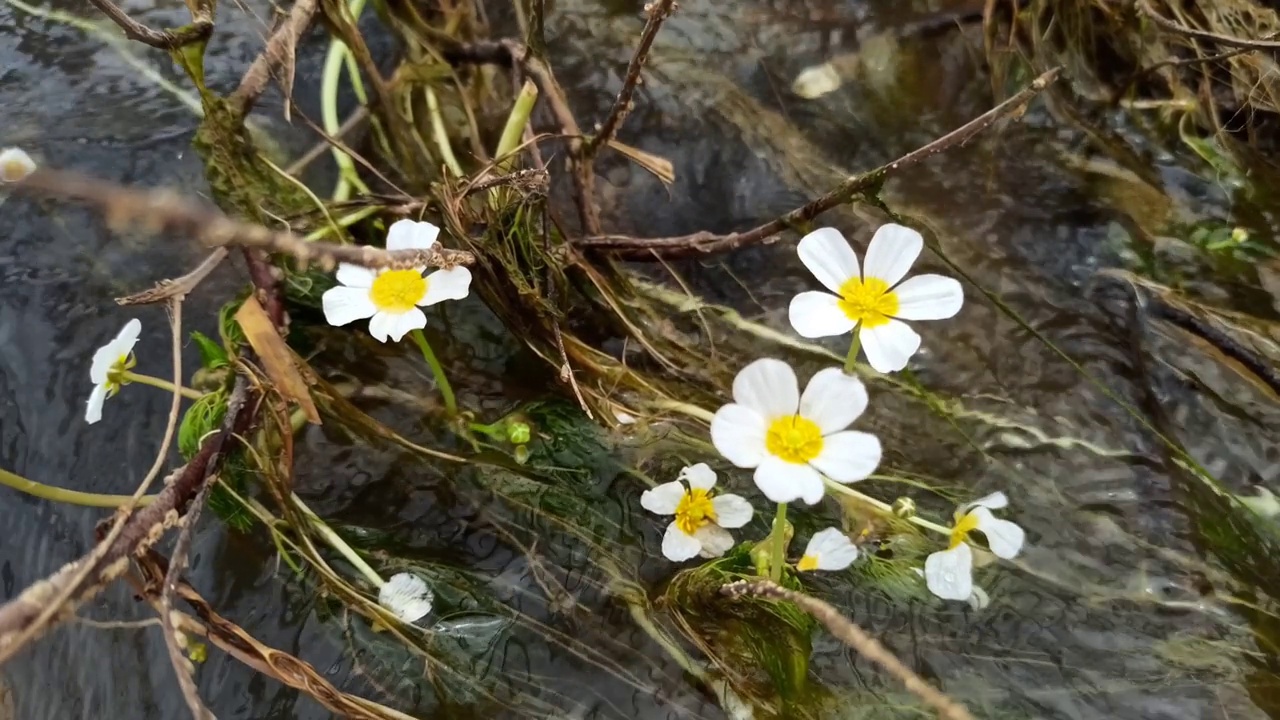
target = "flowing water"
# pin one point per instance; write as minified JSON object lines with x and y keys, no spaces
{"x":1143,"y":594}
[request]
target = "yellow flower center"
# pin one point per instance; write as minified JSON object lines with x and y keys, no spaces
{"x":398,"y":291}
{"x":695,"y":510}
{"x":807,"y":563}
{"x":964,"y":526}
{"x":794,"y":439}
{"x":868,"y":301}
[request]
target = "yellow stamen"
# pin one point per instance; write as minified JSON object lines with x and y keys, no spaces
{"x":398,"y":291}
{"x":794,"y":439}
{"x":695,"y":510}
{"x":964,"y":526}
{"x":807,"y":563}
{"x":868,"y":302}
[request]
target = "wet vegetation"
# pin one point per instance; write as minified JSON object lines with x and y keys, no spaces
{"x":1121,"y":389}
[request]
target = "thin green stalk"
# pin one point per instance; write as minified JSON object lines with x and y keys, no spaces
{"x":337,"y":543}
{"x":513,"y":131}
{"x":345,"y":221}
{"x":133,"y":377}
{"x":855,"y":345}
{"x":686,"y":408}
{"x":74,"y":497}
{"x":334,"y":62}
{"x":446,"y":390}
{"x":778,"y":553}
{"x":440,"y":135}
{"x":882,"y":505}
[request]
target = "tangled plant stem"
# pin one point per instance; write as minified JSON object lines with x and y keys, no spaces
{"x":779,"y":550}
{"x":884,"y":506}
{"x":133,"y":377}
{"x":446,"y":390}
{"x":851,"y":360}
{"x":74,"y":497}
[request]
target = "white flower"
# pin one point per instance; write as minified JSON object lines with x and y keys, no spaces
{"x":873,"y":302}
{"x":701,"y":519}
{"x":15,"y":165}
{"x":828,"y":549}
{"x":392,"y":297}
{"x":792,"y":440}
{"x":407,"y":596}
{"x":949,"y":573}
{"x":816,"y":81}
{"x":108,"y":362}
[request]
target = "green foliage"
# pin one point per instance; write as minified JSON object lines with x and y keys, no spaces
{"x":235,"y":474}
{"x":203,"y":417}
{"x":212,"y":355}
{"x":228,"y":328}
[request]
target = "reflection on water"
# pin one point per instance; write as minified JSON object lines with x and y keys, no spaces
{"x":1119,"y":608}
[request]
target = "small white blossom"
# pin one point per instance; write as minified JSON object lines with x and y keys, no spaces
{"x":949,"y":573}
{"x":407,"y":596}
{"x":392,"y":298}
{"x":15,"y":165}
{"x":828,"y":549}
{"x":873,"y":302}
{"x":792,"y":440}
{"x":701,"y":519}
{"x":108,"y":362}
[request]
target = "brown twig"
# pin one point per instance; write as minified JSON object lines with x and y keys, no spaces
{"x":199,"y":29}
{"x":178,"y":287}
{"x":1232,"y":41}
{"x":164,"y":211}
{"x":658,"y":12}
{"x":855,"y":637}
{"x":21,"y":618}
{"x":279,"y":53}
{"x":702,"y":243}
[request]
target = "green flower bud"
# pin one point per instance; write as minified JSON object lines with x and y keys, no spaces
{"x":904,"y":507}
{"x":519,"y":433}
{"x":521,"y":454}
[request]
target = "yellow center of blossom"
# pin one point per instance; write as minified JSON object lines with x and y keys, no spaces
{"x":807,"y":563}
{"x":398,"y":291}
{"x":964,"y":526}
{"x":868,"y":301}
{"x":694,"y":511}
{"x":794,"y":439}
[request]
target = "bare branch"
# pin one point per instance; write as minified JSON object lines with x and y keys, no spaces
{"x":701,"y":243}
{"x":278,"y":54}
{"x":1229,"y":40}
{"x":165,"y":211}
{"x":658,"y":11}
{"x":199,"y":29}
{"x":178,"y":287}
{"x":855,"y":637}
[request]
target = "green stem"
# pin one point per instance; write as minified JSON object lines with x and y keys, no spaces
{"x":854,"y":346}
{"x":441,"y":135}
{"x":337,"y":543}
{"x":446,"y":390}
{"x":133,"y":377}
{"x":884,"y":506}
{"x":74,"y":497}
{"x":778,"y":553}
{"x":513,"y":131}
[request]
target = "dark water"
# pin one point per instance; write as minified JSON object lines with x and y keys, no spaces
{"x":1119,"y":608}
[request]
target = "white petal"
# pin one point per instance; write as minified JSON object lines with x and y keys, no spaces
{"x":344,"y":305}
{"x":1003,"y":537}
{"x":699,"y":476}
{"x":979,"y":600}
{"x":715,"y":540}
{"x":994,"y":501}
{"x":816,"y":314}
{"x":107,"y":355}
{"x":663,"y":499}
{"x":406,"y":595}
{"x":737,"y":431}
{"x":949,"y":573}
{"x":398,"y":325}
{"x":380,"y":325}
{"x":781,"y":481}
{"x":890,"y":346}
{"x":929,"y":297}
{"x":829,"y":257}
{"x":677,"y":546}
{"x":355,"y":276}
{"x":769,"y":387}
{"x":892,"y":251}
{"x":93,"y":408}
{"x":15,"y":165}
{"x":443,"y":285}
{"x":848,"y":456}
{"x":411,"y":235}
{"x":833,"y":400}
{"x":732,"y":511}
{"x":832,"y":549}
